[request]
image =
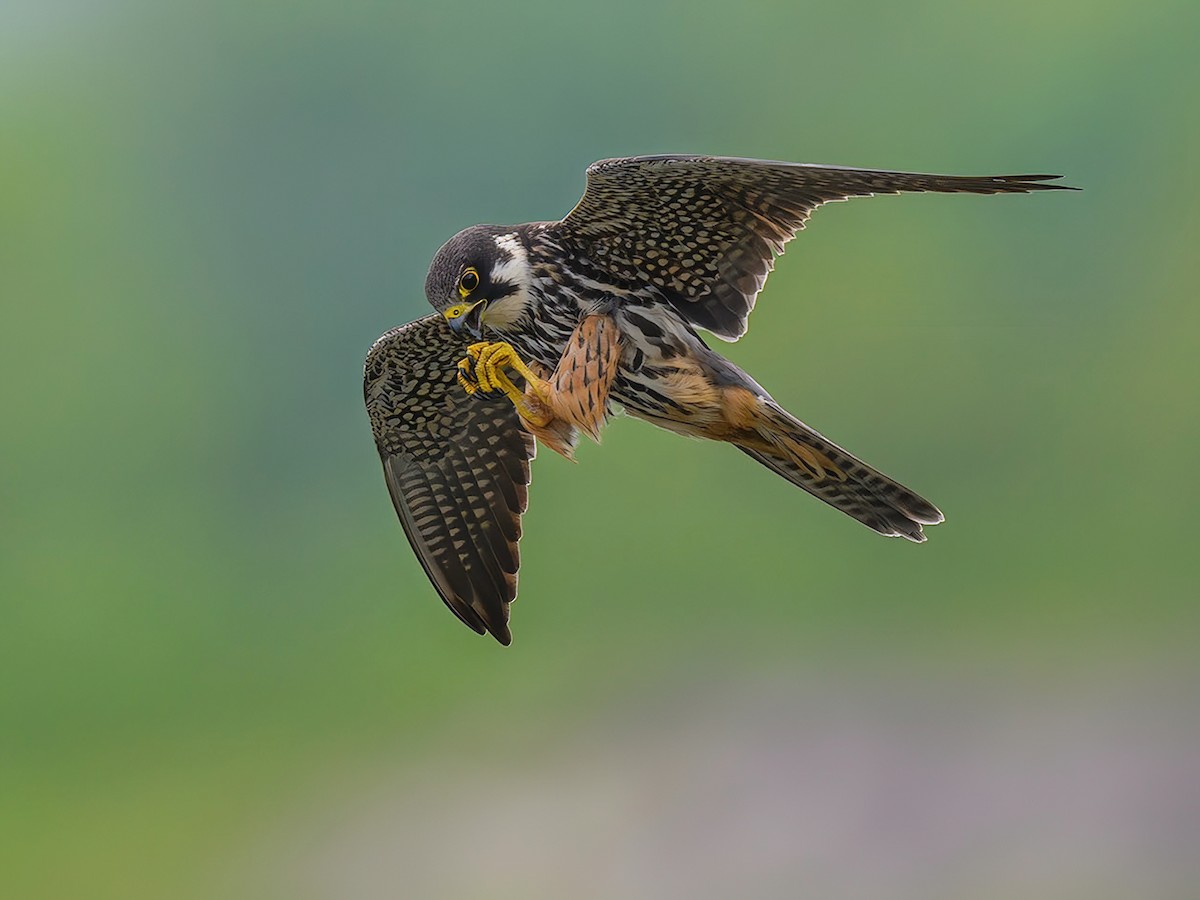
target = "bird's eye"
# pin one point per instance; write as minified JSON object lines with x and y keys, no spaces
{"x":468,"y":281}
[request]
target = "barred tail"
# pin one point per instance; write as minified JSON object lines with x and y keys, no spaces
{"x":811,"y":461}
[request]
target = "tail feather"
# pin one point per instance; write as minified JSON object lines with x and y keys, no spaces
{"x":811,"y":461}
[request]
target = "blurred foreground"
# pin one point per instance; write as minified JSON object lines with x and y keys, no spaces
{"x":815,"y":783}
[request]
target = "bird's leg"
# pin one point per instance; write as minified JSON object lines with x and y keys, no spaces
{"x":489,"y":361}
{"x":493,"y":357}
{"x":535,"y":415}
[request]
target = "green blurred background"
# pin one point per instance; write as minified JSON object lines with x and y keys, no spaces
{"x":222,"y":672}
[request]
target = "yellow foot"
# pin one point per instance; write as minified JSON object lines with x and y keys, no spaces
{"x":483,"y":370}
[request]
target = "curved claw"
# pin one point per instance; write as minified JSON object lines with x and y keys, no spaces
{"x":466,"y":377}
{"x":482,"y":371}
{"x":495,"y":356}
{"x":469,"y":380}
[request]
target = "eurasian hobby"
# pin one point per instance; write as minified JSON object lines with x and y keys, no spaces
{"x":541,"y":327}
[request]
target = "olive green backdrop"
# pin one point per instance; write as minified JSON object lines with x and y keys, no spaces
{"x":210,"y":622}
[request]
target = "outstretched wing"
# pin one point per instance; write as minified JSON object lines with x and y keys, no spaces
{"x":705,"y":230}
{"x":457,"y":468}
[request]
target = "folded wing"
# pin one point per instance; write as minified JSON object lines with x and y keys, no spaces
{"x":457,"y":468}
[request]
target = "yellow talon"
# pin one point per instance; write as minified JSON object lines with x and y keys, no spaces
{"x":465,"y":377}
{"x":490,"y":359}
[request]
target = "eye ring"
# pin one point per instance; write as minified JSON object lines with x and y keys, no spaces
{"x":468,"y":281}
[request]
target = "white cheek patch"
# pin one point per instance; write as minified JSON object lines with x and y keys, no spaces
{"x":514,"y":270}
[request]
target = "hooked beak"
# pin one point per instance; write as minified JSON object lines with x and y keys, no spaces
{"x":471,"y":321}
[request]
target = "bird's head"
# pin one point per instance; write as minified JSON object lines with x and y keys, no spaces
{"x":480,"y":278}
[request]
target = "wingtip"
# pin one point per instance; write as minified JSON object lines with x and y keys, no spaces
{"x":1036,"y":182}
{"x":911,"y":532}
{"x":920,"y":521}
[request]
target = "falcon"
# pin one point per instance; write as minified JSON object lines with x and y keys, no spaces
{"x":541,"y":329}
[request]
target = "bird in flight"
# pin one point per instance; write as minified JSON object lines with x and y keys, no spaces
{"x":541,"y":328}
